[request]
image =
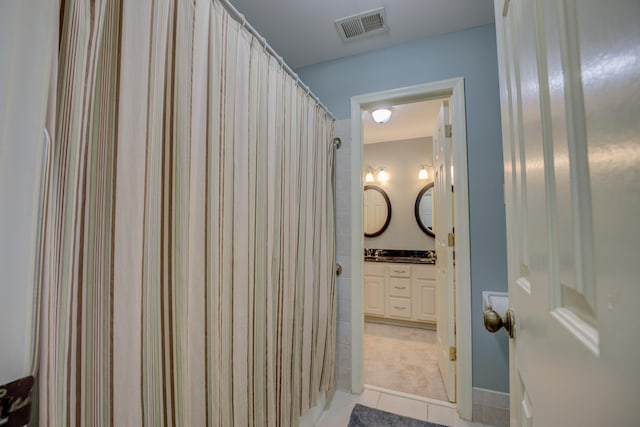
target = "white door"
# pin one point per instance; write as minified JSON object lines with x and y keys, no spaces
{"x":443,"y":228}
{"x":26,"y":51}
{"x":570,"y":100}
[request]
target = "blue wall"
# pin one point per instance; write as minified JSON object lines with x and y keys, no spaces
{"x":470,"y":54}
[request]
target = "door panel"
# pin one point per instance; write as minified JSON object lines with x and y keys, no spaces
{"x":573,"y":287}
{"x":526,"y":408}
{"x":569,"y":81}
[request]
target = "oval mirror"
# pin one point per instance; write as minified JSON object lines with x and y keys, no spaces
{"x":377,"y":211}
{"x":424,"y":209}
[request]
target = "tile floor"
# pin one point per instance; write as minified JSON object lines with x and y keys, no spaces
{"x":338,"y":412}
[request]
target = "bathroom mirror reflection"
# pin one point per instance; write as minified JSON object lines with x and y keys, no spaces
{"x":377,"y":211}
{"x":424,"y":209}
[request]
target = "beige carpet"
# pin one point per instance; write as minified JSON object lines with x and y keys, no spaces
{"x":403,"y":359}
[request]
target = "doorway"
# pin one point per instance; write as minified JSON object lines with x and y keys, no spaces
{"x":402,"y":343}
{"x":461,"y":345}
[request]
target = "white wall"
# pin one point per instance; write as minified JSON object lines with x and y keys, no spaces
{"x":25,"y":52}
{"x":402,"y":160}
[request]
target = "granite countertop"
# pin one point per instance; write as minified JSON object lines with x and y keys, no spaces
{"x":400,"y":256}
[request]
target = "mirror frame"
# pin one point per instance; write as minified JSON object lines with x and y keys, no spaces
{"x":386,"y":199}
{"x":423,"y":227}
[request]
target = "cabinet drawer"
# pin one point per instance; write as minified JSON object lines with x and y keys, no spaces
{"x":373,"y":269}
{"x":399,"y":307}
{"x":424,"y":271}
{"x":399,"y":270}
{"x":399,"y":287}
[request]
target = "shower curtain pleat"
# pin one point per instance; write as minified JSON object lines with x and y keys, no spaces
{"x":195,"y":396}
{"x":190,"y":251}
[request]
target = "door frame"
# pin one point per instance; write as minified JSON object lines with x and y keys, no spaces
{"x":453,"y":88}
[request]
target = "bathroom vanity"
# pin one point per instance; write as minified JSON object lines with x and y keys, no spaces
{"x":400,"y":287}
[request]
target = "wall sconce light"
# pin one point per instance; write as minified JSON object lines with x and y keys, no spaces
{"x":423,"y":174}
{"x":369,"y":175}
{"x":380,"y":173}
{"x":381,"y":115}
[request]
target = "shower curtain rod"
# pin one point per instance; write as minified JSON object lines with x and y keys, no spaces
{"x":263,"y":41}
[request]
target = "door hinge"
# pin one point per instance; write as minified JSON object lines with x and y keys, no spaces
{"x":453,"y":354}
{"x":505,"y":8}
{"x":452,"y":240}
{"x":447,"y":131}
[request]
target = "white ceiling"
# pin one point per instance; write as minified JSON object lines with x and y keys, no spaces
{"x":303,"y":31}
{"x":408,"y":121}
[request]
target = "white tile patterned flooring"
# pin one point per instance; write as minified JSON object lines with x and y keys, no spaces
{"x":339,"y":410}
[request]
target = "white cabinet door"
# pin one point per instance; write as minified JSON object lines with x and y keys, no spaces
{"x":424,"y":300}
{"x":374,"y":295}
{"x":569,"y":91}
{"x":424,"y":293}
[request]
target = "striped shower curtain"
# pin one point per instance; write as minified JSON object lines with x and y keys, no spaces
{"x":189,"y":275}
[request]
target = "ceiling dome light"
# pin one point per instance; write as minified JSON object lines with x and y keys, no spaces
{"x":381,"y":115}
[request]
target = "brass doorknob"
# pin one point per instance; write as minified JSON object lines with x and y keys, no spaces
{"x":493,"y":322}
{"x":510,"y":323}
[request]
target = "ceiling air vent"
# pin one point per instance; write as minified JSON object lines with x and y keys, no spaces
{"x":362,"y":25}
